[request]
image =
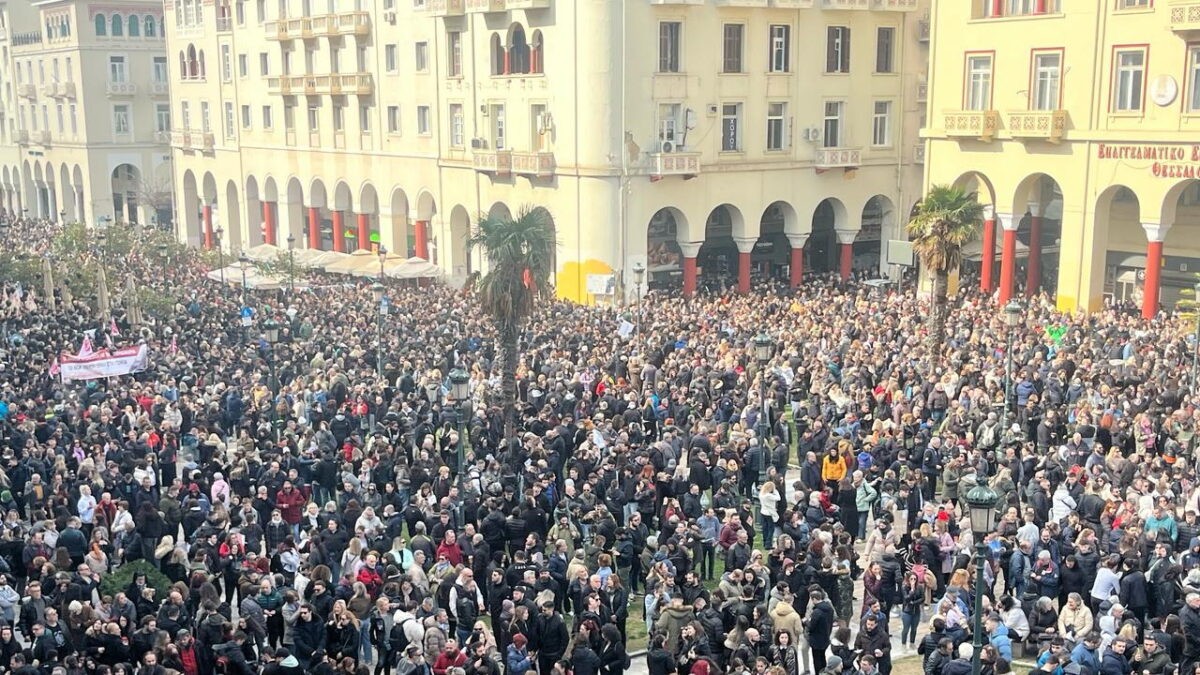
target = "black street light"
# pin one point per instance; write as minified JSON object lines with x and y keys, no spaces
{"x":245,"y":262}
{"x":382,"y":257}
{"x":220,"y":231}
{"x":460,"y":391}
{"x":377,"y":289}
{"x":639,"y":275}
{"x":981,"y":500}
{"x":291,"y":242}
{"x":763,"y":349}
{"x":271,"y":334}
{"x":1012,"y":319}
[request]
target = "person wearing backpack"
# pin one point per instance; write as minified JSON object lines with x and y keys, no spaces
{"x":614,"y":660}
{"x":405,"y":631}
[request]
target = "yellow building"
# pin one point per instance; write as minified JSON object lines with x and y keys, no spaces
{"x":1077,"y":122}
{"x":84,"y":111}
{"x":703,"y":139}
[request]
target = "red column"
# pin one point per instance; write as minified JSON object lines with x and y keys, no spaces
{"x":1040,"y":7}
{"x":743,"y":272}
{"x":796,"y":269}
{"x":339,"y":239}
{"x":989,"y":255}
{"x":1008,"y":264}
{"x":1153,"y":272}
{"x":421,"y":245}
{"x":847,"y":260}
{"x":268,"y":222}
{"x":997,"y":7}
{"x":208,"y":228}
{"x":689,"y":277}
{"x":1033,"y":271}
{"x":364,"y":231}
{"x":314,"y":228}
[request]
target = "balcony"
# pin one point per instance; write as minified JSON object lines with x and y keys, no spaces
{"x":121,"y":88}
{"x":837,"y":158}
{"x":674,"y":163}
{"x":47,"y":90}
{"x":207,"y":141}
{"x":924,"y":26}
{"x":22,"y":137}
{"x":26,"y":91}
{"x":447,"y":7}
{"x":163,"y":137}
{"x":64,"y":90}
{"x":741,"y":3}
{"x":474,"y":6}
{"x":919,"y":153}
{"x":1185,"y":16}
{"x":325,"y":25}
{"x":181,"y":139}
{"x":498,"y":162}
{"x":538,"y":164}
{"x":1042,"y":125}
{"x":316,"y":85}
{"x":677,"y":2}
{"x":42,"y":137}
{"x":848,"y":4}
{"x":896,"y":5}
{"x":972,"y":124}
{"x":793,"y":4}
{"x":527,"y":4}
{"x":224,"y":24}
{"x":159,"y":89}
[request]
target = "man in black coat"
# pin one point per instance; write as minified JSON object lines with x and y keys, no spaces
{"x":308,"y":635}
{"x":550,"y":637}
{"x":820,"y":627}
{"x":1189,"y":618}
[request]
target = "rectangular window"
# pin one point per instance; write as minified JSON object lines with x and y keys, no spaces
{"x":456,"y":125}
{"x":421,"y":60}
{"x":885,"y":39}
{"x":781,"y":46}
{"x":731,"y":127}
{"x":393,"y":119}
{"x":1194,"y":80}
{"x":669,"y":35}
{"x":74,"y":120}
{"x":61,"y":117}
{"x":162,"y":117}
{"x":979,"y":82}
{"x":268,"y":118}
{"x":116,"y":69}
{"x":226,"y":64}
{"x":289,"y":117}
{"x":389,"y":58}
{"x":424,"y":123}
{"x":205,"y":117}
{"x":454,"y":55}
{"x":1131,"y":75}
{"x":243,"y":65}
{"x":160,"y":69}
{"x":1047,"y":79}
{"x":260,"y":10}
{"x":668,"y":125}
{"x":776,"y":126}
{"x":264,"y":63}
{"x":837,"y":50}
{"x":832,"y":137}
{"x":881,"y":124}
{"x":185,"y":114}
{"x":246,"y":117}
{"x":1132,"y":4}
{"x":230,"y":120}
{"x":364,"y":118}
{"x":314,"y":118}
{"x":120,"y":119}
{"x":339,"y":117}
{"x":70,"y":68}
{"x":732,"y":62}
{"x":499,"y":128}
{"x":537,"y":129}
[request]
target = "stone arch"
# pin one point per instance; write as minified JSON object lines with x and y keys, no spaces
{"x":256,"y":232}
{"x":295,"y":212}
{"x":499,"y":211}
{"x":1037,"y":207}
{"x":233,"y":217}
{"x":66,"y":196}
{"x":320,"y":226}
{"x":979,"y":183}
{"x":823,"y":250}
{"x":771,"y":254}
{"x":367,"y":218}
{"x":664,"y":256}
{"x":877,"y":225}
{"x":192,"y":232}
{"x":424,"y":241}
{"x":79,"y":192}
{"x":718,"y":257}
{"x":400,"y":240}
{"x":344,"y":236}
{"x":554,"y":254}
{"x":52,"y":209}
{"x":518,"y":50}
{"x":460,"y":260}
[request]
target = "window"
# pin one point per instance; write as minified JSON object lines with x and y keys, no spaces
{"x":776,"y":125}
{"x":243,"y":65}
{"x":61,"y":118}
{"x":424,"y":124}
{"x":264,"y":63}
{"x":731,"y":123}
{"x":120,"y":119}
{"x":393,"y":119}
{"x":339,"y":117}
{"x":246,"y":121}
{"x":979,"y":82}
{"x":160,"y":69}
{"x":314,"y":118}
{"x":1132,"y":4}
{"x":74,"y":120}
{"x":101,"y":25}
{"x":185,"y":114}
{"x":421,"y":59}
{"x":117,"y":26}
{"x":289,"y":117}
{"x":832,"y":138}
{"x":885,"y":38}
{"x":1047,"y":78}
{"x":537,"y":129}
{"x":454,"y":55}
{"x":230,"y":121}
{"x":239,"y":11}
{"x":364,"y":118}
{"x":205,"y":117}
{"x":1193,"y":81}
{"x":781,"y":45}
{"x":268,"y":121}
{"x":732,"y":62}
{"x":389,"y":58}
{"x":162,"y":117}
{"x":226,"y":64}
{"x":837,"y":50}
{"x":669,"y":34}
{"x":499,"y":127}
{"x":456,"y":125}
{"x":260,"y":10}
{"x":135,"y":26}
{"x":881,"y":124}
{"x":151,"y":29}
{"x":116,"y":69}
{"x":668,"y":124}
{"x":1131,"y":76}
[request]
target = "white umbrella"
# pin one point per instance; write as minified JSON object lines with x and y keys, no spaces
{"x":390,"y":262}
{"x":320,"y":259}
{"x":264,"y":252}
{"x":415,"y":268}
{"x":352,"y":262}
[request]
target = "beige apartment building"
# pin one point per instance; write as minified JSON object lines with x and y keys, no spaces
{"x":712,"y":141}
{"x":84,"y":111}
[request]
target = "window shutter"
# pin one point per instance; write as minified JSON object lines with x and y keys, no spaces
{"x":845,"y":49}
{"x":831,"y":51}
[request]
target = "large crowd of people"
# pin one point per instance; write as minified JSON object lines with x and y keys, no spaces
{"x":320,"y":503}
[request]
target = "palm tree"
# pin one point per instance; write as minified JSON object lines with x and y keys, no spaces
{"x":946,"y":218}
{"x":520,"y":255}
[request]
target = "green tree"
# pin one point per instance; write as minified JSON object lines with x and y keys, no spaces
{"x":520,"y":254}
{"x":946,"y":218}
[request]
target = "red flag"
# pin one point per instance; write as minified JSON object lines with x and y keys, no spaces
{"x":108,"y":340}
{"x":527,"y":278}
{"x":174,"y":346}
{"x":54,"y":367}
{"x":112,"y":328}
{"x":86,"y":348}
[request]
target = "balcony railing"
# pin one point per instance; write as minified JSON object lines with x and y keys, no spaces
{"x":919,"y":153}
{"x":22,"y":136}
{"x":527,"y":4}
{"x":498,"y":162}
{"x":181,"y":139}
{"x":163,"y":137}
{"x":42,"y":136}
{"x":64,"y":90}
{"x":48,"y":90}
{"x":896,"y":5}
{"x":793,"y":4}
{"x":976,"y":124}
{"x":540,"y":164}
{"x":1185,"y":16}
{"x":26,"y":91}
{"x":317,"y":85}
{"x":191,"y":139}
{"x":207,"y":141}
{"x":922,"y":91}
{"x":121,"y":88}
{"x":674,"y":163}
{"x":677,"y":2}
{"x":159,"y":88}
{"x":448,"y":7}
{"x":742,"y":3}
{"x":224,"y":24}
{"x":1046,"y":125}
{"x":356,"y":22}
{"x":837,"y":158}
{"x":847,"y":4}
{"x":485,"y":5}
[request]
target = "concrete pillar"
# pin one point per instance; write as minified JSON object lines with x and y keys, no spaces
{"x":846,"y":245}
{"x":1155,"y":234}
{"x":689,"y":250}
{"x":745,"y":246}
{"x":988,"y":261}
{"x":421,"y":237}
{"x":339,"y":232}
{"x":206,"y":210}
{"x":997,"y":7}
{"x":1033,"y":270}
{"x":268,"y":222}
{"x":796,"y":269}
{"x":314,"y":228}
{"x":364,"y":231}
{"x":1008,"y":256}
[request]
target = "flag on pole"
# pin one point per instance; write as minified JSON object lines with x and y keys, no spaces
{"x":54,"y":367}
{"x":112,"y":328}
{"x":86,"y":349}
{"x":108,"y":340}
{"x":174,"y":346}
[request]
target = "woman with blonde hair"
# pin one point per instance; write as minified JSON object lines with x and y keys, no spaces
{"x":342,"y":633}
{"x":768,"y":511}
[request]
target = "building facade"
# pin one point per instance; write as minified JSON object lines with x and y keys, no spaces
{"x":85,"y":117}
{"x":712,"y":141}
{"x":1076,"y":123}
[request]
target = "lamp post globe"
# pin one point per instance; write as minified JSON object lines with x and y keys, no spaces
{"x":460,"y":390}
{"x":1012,"y":313}
{"x":981,"y":501}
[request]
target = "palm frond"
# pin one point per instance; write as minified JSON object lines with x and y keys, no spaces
{"x":946,"y":219}
{"x":520,"y":255}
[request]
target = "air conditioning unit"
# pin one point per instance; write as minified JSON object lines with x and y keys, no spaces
{"x":812,"y":134}
{"x":483,"y":110}
{"x":712,"y":109}
{"x":390,"y":16}
{"x":668,"y":146}
{"x":478,"y":143}
{"x":545,"y":122}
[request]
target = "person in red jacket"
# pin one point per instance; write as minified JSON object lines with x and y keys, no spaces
{"x":290,"y":503}
{"x":369,"y":575}
{"x":450,"y":548}
{"x":449,"y":658}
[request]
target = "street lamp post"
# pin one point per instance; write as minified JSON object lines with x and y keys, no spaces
{"x":763,"y":348}
{"x":244,"y":260}
{"x":460,"y":390}
{"x":639,"y":274}
{"x":377,"y":289}
{"x":382,"y":258}
{"x":1196,"y":347}
{"x":981,"y":500}
{"x":271,"y":333}
{"x":1012,"y":319}
{"x":220,"y":231}
{"x":291,"y":242}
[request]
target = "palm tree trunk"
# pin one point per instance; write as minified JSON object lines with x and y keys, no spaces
{"x":508,"y":379}
{"x":937,"y":314}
